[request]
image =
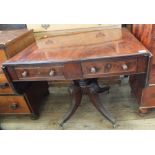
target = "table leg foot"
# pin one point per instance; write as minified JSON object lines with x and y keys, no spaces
{"x":143,"y":110}
{"x":76,"y":95}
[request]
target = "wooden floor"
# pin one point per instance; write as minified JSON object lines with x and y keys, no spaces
{"x":120,"y":102}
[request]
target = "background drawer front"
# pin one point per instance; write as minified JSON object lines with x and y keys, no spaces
{"x":103,"y":67}
{"x":55,"y":72}
{"x":152,"y":75}
{"x":4,"y":85}
{"x":13,"y":105}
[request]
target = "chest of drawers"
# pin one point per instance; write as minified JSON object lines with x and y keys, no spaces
{"x":146,"y":34}
{"x":11,"y":102}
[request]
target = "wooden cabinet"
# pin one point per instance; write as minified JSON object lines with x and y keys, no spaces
{"x":11,"y":102}
{"x":146,"y":34}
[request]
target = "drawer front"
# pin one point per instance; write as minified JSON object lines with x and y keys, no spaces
{"x":30,"y":73}
{"x":4,"y":85}
{"x":106,"y":67}
{"x":13,"y":105}
{"x":152,"y":75}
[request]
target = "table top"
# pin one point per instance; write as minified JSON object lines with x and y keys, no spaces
{"x":80,"y":46}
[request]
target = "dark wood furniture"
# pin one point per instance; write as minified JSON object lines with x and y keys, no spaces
{"x":82,"y":57}
{"x":146,"y":97}
{"x":11,"y":102}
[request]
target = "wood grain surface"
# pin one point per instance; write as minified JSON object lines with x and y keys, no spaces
{"x":80,"y":46}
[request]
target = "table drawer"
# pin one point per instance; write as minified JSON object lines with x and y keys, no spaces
{"x":4,"y":85}
{"x":13,"y":105}
{"x":114,"y":67}
{"x":43,"y":72}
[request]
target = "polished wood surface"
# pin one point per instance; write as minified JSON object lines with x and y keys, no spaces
{"x":152,"y":75}
{"x":80,"y":46}
{"x":111,"y":52}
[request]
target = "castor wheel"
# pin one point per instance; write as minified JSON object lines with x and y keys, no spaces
{"x":34,"y":116}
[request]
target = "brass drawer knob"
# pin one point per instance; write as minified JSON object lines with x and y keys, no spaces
{"x":107,"y":67}
{"x":125,"y":67}
{"x":14,"y":106}
{"x":93,"y":70}
{"x":24,"y":74}
{"x":52,"y":73}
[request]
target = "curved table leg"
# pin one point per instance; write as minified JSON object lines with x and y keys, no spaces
{"x":94,"y":97}
{"x":76,"y":94}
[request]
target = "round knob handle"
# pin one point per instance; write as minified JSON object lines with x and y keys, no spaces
{"x":52,"y":72}
{"x":107,"y":67}
{"x":24,"y":74}
{"x":93,"y":70}
{"x":125,"y":67}
{"x":14,"y":106}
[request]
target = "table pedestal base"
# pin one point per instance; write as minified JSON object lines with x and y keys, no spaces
{"x":92,"y":89}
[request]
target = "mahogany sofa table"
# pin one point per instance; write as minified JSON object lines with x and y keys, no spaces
{"x":82,"y":57}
